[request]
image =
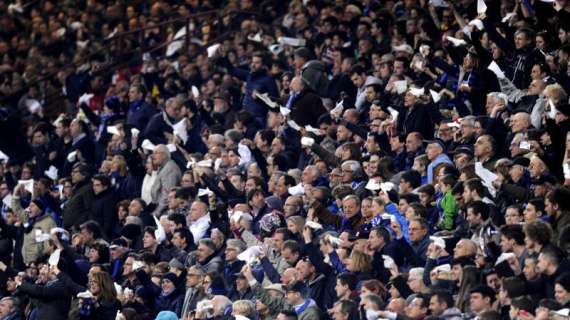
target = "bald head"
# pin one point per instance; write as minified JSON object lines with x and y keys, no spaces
{"x":160,"y":155}
{"x":465,"y":248}
{"x":520,"y":122}
{"x":290,"y":275}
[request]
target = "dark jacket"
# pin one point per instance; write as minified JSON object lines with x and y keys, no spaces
{"x":307,"y":108}
{"x":103,"y":310}
{"x":261,"y":82}
{"x":139,"y":114}
{"x":417,"y":119}
{"x":156,"y":127}
{"x":52,"y":299}
{"x":104,"y":212}
{"x":78,"y":207}
{"x":170,"y":302}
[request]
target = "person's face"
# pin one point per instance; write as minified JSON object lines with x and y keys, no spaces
{"x":98,"y":186}
{"x":289,"y":256}
{"x":256,"y":64}
{"x":433,"y":151}
{"x":350,"y":208}
{"x":472,"y":218}
{"x":340,"y":289}
{"x":461,"y":249}
{"x":399,"y":67}
{"x":197,"y":211}
{"x":409,"y":99}
{"x":290,"y":207}
{"x":231,"y":254}
{"x":357,"y":79}
{"x":178,"y":241}
{"x":6,"y":307}
{"x":512,"y":216}
{"x":516,"y":172}
{"x":93,"y":255}
{"x":530,"y":269}
{"x":416,"y":284}
{"x":417,"y":232}
{"x":415,"y":310}
{"x":530,"y":213}
{"x":521,"y":40}
{"x":148,"y":240}
{"x":134,"y":94}
{"x":167,"y":286}
{"x":370,"y":94}
{"x":560,"y":294}
{"x":203,"y":252}
{"x":94,"y":287}
{"x":193,"y":280}
{"x":281,"y":187}
{"x":543,"y":264}
{"x":482,"y":147}
{"x":478,"y":303}
{"x":375,"y":241}
{"x":435,"y":307}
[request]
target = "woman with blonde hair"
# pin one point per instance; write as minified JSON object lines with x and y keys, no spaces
{"x":295,"y":225}
{"x":359,"y":263}
{"x":243,"y":308}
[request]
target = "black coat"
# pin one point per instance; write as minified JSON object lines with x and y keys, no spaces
{"x":103,"y":211}
{"x":52,"y":299}
{"x":155,"y":129}
{"x":78,"y":208}
{"x":417,"y":119}
{"x":307,"y":108}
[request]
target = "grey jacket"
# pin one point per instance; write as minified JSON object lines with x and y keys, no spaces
{"x":168,"y":176}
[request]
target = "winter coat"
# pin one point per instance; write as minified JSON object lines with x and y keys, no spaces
{"x":78,"y":208}
{"x":32,"y":250}
{"x":261,"y":82}
{"x":167,"y":177}
{"x":170,"y":302}
{"x":139,"y":114}
{"x":52,"y":299}
{"x":307,"y":108}
{"x":103,"y":211}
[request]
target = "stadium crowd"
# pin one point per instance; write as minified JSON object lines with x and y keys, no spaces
{"x":372,"y":159}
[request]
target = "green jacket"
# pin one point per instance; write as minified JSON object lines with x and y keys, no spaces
{"x":450,"y":209}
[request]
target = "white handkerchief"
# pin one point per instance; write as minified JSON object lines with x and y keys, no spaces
{"x":195,"y":92}
{"x":28,"y":185}
{"x":204,"y":192}
{"x":255,"y":38}
{"x":159,"y":233}
{"x":566,"y":170}
{"x":85,"y":98}
{"x":435,"y":96}
{"x":147,"y":145}
{"x":524,"y":145}
{"x":244,"y":153}
{"x":294,"y":42}
{"x":477,"y":23}
{"x":306,"y":141}
{"x":54,"y":257}
{"x":205,"y":163}
{"x":7,"y":201}
{"x":548,"y":1}
{"x":486,"y":176}
{"x":372,"y":185}
{"x":493,"y":66}
{"x":85,"y":295}
{"x":334,"y":240}
{"x":284,"y":111}
{"x":250,"y":254}
{"x":4,"y":157}
{"x":456,"y":42}
{"x":387,"y":186}
{"x":438,"y":241}
{"x":313,"y":225}
{"x":171,"y":147}
{"x":51,"y":173}
{"x":135,"y":132}
{"x":401,"y":86}
{"x":388,"y":261}
{"x":393,"y":113}
{"x":179,"y":130}
{"x":72,"y":156}
{"x":293,"y":125}
{"x":113,"y":130}
{"x":417,"y":92}
{"x":481,"y":6}
{"x":442,"y":268}
{"x":552,"y":113}
{"x":297,"y":190}
{"x":508,"y":16}
{"x":40,"y":236}
{"x":212,"y":49}
{"x":33,"y":105}
{"x":265,"y":98}
{"x":505,"y":256}
{"x":439,"y":3}
{"x":316,"y":131}
{"x":338,"y":108}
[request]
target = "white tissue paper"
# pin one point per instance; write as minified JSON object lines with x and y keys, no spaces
{"x":147,"y":145}
{"x":481,"y":6}
{"x":401,"y":86}
{"x":293,"y":125}
{"x":212,"y":50}
{"x":72,"y":156}
{"x":179,"y":130}
{"x":51,"y":173}
{"x":250,"y":254}
{"x":307,"y":142}
{"x":113,"y":130}
{"x":297,"y":190}
{"x":493,"y":66}
{"x":313,"y":225}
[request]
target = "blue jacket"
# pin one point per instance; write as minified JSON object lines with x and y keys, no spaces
{"x":261,"y":82}
{"x":139,"y":114}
